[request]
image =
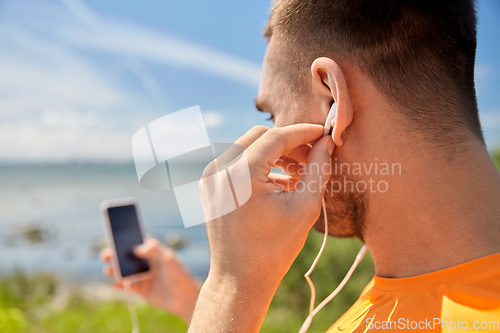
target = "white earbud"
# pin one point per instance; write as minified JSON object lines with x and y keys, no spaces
{"x":329,"y":118}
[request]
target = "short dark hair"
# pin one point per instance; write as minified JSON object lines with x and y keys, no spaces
{"x":419,"y":53}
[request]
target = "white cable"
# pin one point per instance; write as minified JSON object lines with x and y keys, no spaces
{"x":308,"y":279}
{"x":313,"y":311}
{"x":131,"y":307}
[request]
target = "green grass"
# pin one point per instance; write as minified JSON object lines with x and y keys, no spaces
{"x":26,"y":300}
{"x":495,"y":155}
{"x":112,"y":316}
{"x":25,"y":307}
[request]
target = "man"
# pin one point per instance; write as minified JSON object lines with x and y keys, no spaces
{"x":401,"y":74}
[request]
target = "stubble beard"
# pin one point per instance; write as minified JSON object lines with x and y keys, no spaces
{"x":346,"y":212}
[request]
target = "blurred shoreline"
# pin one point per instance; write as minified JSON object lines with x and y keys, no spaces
{"x":50,"y":219}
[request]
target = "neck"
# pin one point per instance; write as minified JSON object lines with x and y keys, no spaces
{"x":440,"y":212}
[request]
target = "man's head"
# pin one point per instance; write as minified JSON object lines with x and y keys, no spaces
{"x":406,"y":65}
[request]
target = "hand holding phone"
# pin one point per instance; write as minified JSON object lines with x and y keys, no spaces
{"x":167,"y":284}
{"x":124,"y":231}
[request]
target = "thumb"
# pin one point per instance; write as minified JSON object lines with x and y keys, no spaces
{"x":151,"y":249}
{"x":317,"y":170}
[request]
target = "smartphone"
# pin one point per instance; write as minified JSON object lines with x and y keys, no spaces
{"x":124,"y":231}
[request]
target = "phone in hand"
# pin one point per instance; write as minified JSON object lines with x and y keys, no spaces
{"x":124,"y":231}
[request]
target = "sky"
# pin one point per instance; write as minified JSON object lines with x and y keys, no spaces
{"x":79,"y":78}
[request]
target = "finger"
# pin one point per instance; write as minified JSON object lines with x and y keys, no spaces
{"x":234,"y":151}
{"x":300,"y":153}
{"x":251,"y":136}
{"x":118,"y":285}
{"x":286,"y":182}
{"x":290,"y":167}
{"x":135,"y":287}
{"x":281,"y":141}
{"x":316,"y":172}
{"x":150,"y":249}
{"x":106,"y":255}
{"x":108,"y":270}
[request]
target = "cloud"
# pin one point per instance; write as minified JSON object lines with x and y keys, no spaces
{"x":491,"y":119}
{"x":483,"y":74}
{"x":63,"y":136}
{"x":213,"y":119}
{"x":115,"y":37}
{"x":52,"y":78}
{"x":164,"y":49}
{"x":57,"y":101}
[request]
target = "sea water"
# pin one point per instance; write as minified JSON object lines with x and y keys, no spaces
{"x":50,"y":219}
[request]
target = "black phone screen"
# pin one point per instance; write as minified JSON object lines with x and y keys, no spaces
{"x":127,"y":234}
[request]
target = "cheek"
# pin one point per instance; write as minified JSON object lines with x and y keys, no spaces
{"x":308,"y":110}
{"x":284,"y":120}
{"x":294,"y":112}
{"x":285,"y":115}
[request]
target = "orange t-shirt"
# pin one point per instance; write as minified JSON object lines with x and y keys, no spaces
{"x":462,"y":298}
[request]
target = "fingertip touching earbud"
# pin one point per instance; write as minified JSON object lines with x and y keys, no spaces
{"x":329,"y":120}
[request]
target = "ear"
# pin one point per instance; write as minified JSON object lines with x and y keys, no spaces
{"x":329,"y":82}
